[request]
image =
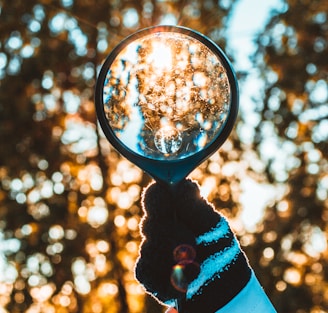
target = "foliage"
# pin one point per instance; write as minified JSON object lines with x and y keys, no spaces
{"x":292,"y":137}
{"x":69,"y":203}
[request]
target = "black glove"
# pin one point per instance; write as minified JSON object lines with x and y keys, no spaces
{"x":180,"y":216}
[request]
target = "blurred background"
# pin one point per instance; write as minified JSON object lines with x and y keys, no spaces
{"x":70,"y":204}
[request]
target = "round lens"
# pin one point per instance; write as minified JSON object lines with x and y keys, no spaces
{"x":166,"y":98}
{"x":166,"y":95}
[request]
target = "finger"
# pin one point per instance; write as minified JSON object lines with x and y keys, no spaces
{"x":195,"y":211}
{"x":157,"y":202}
{"x":171,"y":310}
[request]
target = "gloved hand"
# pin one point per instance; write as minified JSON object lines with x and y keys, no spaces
{"x":180,"y":216}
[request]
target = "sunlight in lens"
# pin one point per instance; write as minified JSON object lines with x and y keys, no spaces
{"x":160,"y":56}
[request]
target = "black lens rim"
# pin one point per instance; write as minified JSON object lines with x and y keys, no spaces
{"x":168,"y":171}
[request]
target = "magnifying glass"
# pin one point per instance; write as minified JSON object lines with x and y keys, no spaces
{"x":166,"y":99}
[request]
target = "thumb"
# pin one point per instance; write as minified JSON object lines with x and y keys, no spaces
{"x":171,"y":310}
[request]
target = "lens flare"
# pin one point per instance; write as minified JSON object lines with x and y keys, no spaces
{"x":186,"y":269}
{"x":183,"y":273}
{"x":183,"y":253}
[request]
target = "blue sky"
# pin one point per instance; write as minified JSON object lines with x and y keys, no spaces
{"x":248,"y":19}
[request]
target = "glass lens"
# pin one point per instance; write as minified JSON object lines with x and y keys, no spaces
{"x":166,"y":95}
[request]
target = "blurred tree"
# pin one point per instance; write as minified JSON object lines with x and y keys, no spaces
{"x":69,"y":204}
{"x":292,"y":137}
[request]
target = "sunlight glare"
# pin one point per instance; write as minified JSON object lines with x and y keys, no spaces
{"x":160,"y":57}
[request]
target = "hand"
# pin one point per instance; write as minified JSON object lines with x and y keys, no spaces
{"x":181,"y":216}
{"x":171,"y":310}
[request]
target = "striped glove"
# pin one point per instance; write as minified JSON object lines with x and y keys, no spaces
{"x":183,"y":217}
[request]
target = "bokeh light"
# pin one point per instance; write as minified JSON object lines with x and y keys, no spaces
{"x":70,"y":204}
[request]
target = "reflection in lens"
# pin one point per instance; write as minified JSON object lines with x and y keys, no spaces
{"x":168,"y":140}
{"x":166,"y":95}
